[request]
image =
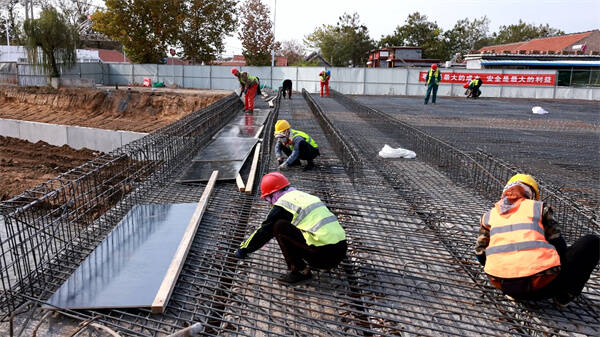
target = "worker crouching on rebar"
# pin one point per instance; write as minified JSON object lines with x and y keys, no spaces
{"x":249,"y":86}
{"x":523,"y":252}
{"x":308,"y":234}
{"x":296,"y":145}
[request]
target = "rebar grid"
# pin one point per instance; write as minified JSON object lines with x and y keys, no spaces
{"x":51,"y":228}
{"x":458,"y":209}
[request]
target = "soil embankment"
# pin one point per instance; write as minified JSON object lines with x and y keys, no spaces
{"x":24,"y":165}
{"x":107,"y":108}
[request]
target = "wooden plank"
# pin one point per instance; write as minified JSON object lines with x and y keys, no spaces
{"x":240,"y":182}
{"x":168,"y":283}
{"x":250,"y":182}
{"x":257,"y":135}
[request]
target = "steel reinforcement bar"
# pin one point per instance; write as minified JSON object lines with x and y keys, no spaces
{"x":59,"y":222}
{"x":482,"y":172}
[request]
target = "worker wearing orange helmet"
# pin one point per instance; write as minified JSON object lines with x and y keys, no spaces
{"x":249,"y":86}
{"x":295,"y":144}
{"x":308,"y":234}
{"x":432,"y":82}
{"x":523,"y":252}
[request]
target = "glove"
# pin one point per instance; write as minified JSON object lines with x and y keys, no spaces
{"x":283,"y":167}
{"x":280,"y":160}
{"x":481,"y":258}
{"x":240,"y":254}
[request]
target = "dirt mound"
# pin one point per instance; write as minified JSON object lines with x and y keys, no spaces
{"x":133,"y":110}
{"x":24,"y":165}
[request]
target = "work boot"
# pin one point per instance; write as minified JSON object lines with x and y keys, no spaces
{"x":563,"y":300}
{"x":309,"y":166}
{"x":295,"y":278}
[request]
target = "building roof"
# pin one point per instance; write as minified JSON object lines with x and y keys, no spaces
{"x":557,"y":63}
{"x":395,"y":47}
{"x":554,"y":43}
{"x":110,"y":55}
{"x":239,"y":60}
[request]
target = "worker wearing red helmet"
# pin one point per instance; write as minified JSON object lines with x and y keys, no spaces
{"x":308,"y":234}
{"x":523,"y":252}
{"x":249,"y":86}
{"x":432,"y":82}
{"x":324,"y":76}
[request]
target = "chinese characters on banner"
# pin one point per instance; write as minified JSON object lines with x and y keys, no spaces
{"x":502,"y":79}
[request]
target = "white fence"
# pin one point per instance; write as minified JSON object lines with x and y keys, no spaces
{"x":361,"y":81}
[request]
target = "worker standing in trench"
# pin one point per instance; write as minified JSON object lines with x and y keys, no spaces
{"x":523,"y":252}
{"x":432,"y":82}
{"x":308,"y":234}
{"x":296,"y":145}
{"x":249,"y":86}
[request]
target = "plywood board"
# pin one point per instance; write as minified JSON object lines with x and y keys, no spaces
{"x":226,"y":149}
{"x":127,"y":269}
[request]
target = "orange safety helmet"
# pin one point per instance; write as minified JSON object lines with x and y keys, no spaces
{"x":434,"y":66}
{"x":234,"y":71}
{"x":272,"y":182}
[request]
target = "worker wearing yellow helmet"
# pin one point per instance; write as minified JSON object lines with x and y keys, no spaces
{"x":523,"y":252}
{"x":295,"y":144}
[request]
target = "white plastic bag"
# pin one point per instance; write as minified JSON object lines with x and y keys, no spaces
{"x":538,"y":110}
{"x":389,"y":152}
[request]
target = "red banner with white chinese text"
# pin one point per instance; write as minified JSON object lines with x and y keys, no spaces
{"x":501,"y":79}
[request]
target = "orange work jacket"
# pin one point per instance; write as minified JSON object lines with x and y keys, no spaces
{"x":518,"y":247}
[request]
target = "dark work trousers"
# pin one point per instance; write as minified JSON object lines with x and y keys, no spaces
{"x":577,"y":265}
{"x":297,"y":252}
{"x":307,"y":152}
{"x":431,"y":86}
{"x":287,"y":88}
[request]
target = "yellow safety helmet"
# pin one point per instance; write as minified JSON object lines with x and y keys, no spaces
{"x":527,"y":180}
{"x":281,"y":126}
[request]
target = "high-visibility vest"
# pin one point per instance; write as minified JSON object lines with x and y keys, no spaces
{"x":251,"y":79}
{"x":318,"y":225}
{"x":307,"y":138}
{"x":324,"y":77}
{"x":518,"y":247}
{"x":431,"y":75}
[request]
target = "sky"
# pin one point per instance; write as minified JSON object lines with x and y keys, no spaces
{"x":297,"y":18}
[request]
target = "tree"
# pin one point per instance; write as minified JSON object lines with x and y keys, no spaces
{"x":145,"y":27}
{"x":523,"y":32}
{"x":75,"y":12}
{"x":204,"y":28}
{"x":465,"y":35}
{"x":14,"y":30}
{"x":54,"y":37}
{"x":256,"y":34}
{"x":345,"y":44}
{"x":419,"y":32}
{"x":294,"y":52}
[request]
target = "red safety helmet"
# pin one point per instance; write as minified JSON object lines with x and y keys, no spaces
{"x":434,"y":66}
{"x":272,"y":182}
{"x":466,"y":85}
{"x":234,"y":71}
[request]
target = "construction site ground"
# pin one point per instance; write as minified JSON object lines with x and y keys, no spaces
{"x":133,"y":109}
{"x":410,"y":269}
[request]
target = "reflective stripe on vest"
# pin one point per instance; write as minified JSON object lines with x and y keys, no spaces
{"x":307,"y":138}
{"x":318,"y":225}
{"x":437,"y":73}
{"x":517,"y":246}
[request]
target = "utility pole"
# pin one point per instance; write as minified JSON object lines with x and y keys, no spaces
{"x":7,"y":29}
{"x":273,"y":50}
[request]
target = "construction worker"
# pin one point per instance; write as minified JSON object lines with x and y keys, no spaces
{"x":295,"y":145}
{"x":523,"y":252}
{"x":432,"y":81}
{"x":308,"y":234}
{"x":248,"y":86}
{"x":325,"y":76}
{"x":473,"y":87}
{"x":286,"y":87}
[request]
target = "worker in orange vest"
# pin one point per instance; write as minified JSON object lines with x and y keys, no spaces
{"x":523,"y":252}
{"x":324,"y":76}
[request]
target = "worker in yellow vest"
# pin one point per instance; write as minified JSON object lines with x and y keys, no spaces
{"x":523,"y":252}
{"x":308,"y":234}
{"x":249,"y":86}
{"x":295,"y":144}
{"x":432,"y":81}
